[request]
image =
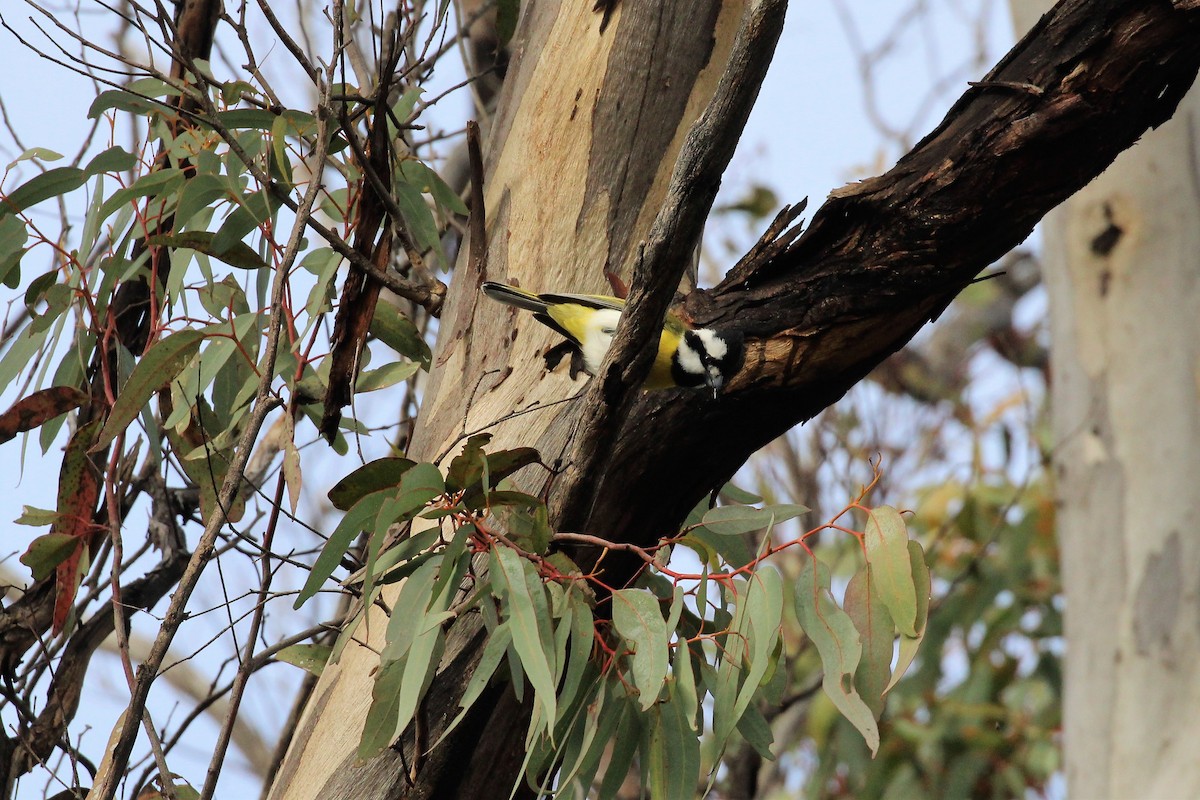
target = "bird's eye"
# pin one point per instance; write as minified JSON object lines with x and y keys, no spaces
{"x":608,"y":331}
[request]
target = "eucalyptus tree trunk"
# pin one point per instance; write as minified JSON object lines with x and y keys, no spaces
{"x":1122,"y":272}
{"x":583,"y":150}
{"x":585,"y":138}
{"x":1124,"y":283}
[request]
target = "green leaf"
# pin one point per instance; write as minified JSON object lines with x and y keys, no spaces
{"x":426,"y":640}
{"x":379,"y":728}
{"x":408,"y":612}
{"x":359,"y":518}
{"x":153,"y":184}
{"x":736,"y":520}
{"x":13,"y":236}
{"x":467,"y":467}
{"x":833,"y":633}
{"x":885,"y":540}
{"x":674,"y":753}
{"x":754,"y":632}
{"x":124,"y":101}
{"x":455,"y":559}
{"x":38,"y":287}
{"x":202,"y":191}
{"x":47,"y":551}
{"x":429,"y":182}
{"x":114,"y":159}
{"x":308,"y":657}
{"x":625,"y":747}
{"x":40,"y":153}
{"x":685,"y":684}
{"x":418,"y":218}
{"x":500,"y":465}
{"x":529,"y":527}
{"x":529,"y":619}
{"x":582,"y":639}
{"x":597,"y":722}
{"x":474,"y":472}
{"x":403,"y":108}
{"x":756,"y":731}
{"x":253,"y":210}
{"x":910,"y":644}
{"x":162,"y":363}
{"x":236,"y":254}
{"x":36,"y":517}
{"x":418,"y":486}
{"x":876,"y":631}
{"x":385,"y":376}
{"x":735,"y":550}
{"x":51,"y":183}
{"x":370,"y":477}
{"x":399,"y":333}
{"x":736,"y":494}
{"x":638,"y":618}
{"x":409,"y":548}
{"x":239,"y":118}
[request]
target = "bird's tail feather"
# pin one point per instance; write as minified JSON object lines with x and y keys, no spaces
{"x":512,"y":296}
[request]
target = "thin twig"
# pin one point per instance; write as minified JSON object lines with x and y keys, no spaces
{"x":106,"y":784}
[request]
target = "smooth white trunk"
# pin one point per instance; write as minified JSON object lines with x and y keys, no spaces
{"x":1122,"y":268}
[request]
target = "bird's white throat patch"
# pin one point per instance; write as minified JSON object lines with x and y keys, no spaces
{"x":597,"y":337}
{"x":714,"y":345}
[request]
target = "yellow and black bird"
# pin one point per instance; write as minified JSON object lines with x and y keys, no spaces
{"x":687,"y":357}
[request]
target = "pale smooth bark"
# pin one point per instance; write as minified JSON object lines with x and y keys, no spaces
{"x":579,"y":157}
{"x":1123,"y":275}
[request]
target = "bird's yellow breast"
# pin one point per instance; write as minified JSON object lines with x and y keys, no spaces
{"x":593,"y":329}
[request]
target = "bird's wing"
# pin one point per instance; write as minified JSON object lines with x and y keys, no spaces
{"x":586,"y":300}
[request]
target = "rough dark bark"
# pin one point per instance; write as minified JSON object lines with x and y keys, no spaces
{"x":884,"y":256}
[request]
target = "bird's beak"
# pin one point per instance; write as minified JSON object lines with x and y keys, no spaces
{"x":715,"y":383}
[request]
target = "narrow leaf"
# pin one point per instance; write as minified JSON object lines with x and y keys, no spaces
{"x":78,"y":493}
{"x":36,"y":409}
{"x":527,"y":615}
{"x":674,"y":753}
{"x":359,"y":518}
{"x":164,"y":361}
{"x":886,"y":542}
{"x":876,"y":631}
{"x":379,"y":728}
{"x":235,"y":254}
{"x":910,"y":644}
{"x":385,"y":376}
{"x":838,"y":644}
{"x":308,"y":657}
{"x":638,"y":617}
{"x":47,"y":551}
{"x":735,"y":520}
{"x":51,"y":183}
{"x":417,"y":487}
{"x":114,"y":159}
{"x":370,"y":477}
{"x":399,"y":333}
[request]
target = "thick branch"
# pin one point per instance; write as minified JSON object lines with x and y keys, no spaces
{"x":666,"y":254}
{"x":885,"y":256}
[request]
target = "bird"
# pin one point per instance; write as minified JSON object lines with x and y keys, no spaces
{"x":687,"y":357}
